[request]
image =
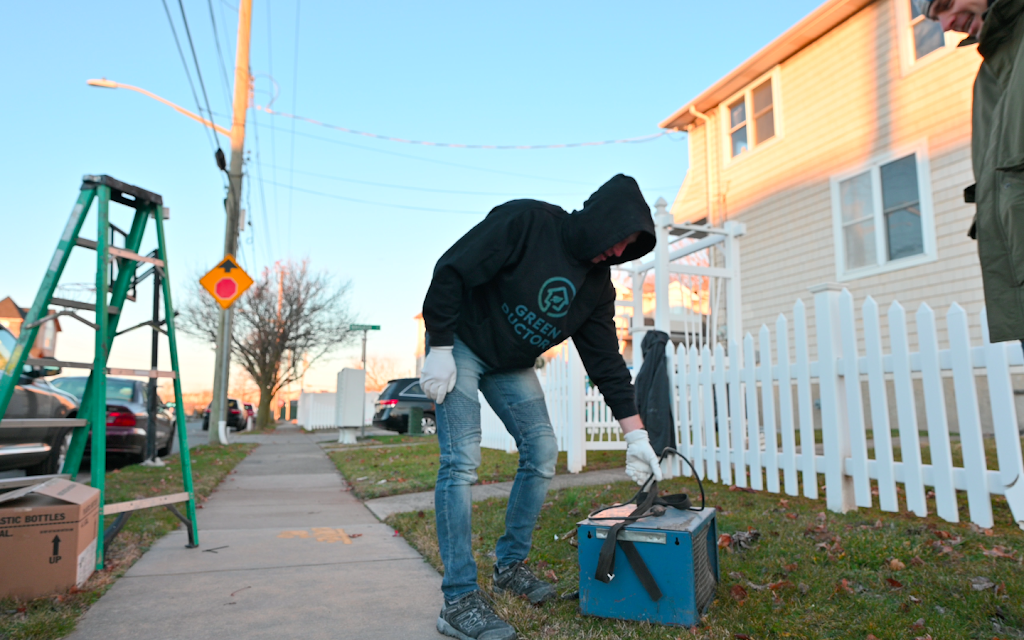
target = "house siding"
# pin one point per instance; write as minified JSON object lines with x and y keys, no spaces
{"x":842,"y":102}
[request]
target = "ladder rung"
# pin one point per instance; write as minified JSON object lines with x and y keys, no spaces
{"x":145,"y":503}
{"x":85,"y":306}
{"x":31,"y":423}
{"x":50,"y":362}
{"x":144,"y":373}
{"x":119,"y":252}
{"x":130,"y":255}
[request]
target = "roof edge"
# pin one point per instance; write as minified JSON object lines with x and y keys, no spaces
{"x":792,"y":41}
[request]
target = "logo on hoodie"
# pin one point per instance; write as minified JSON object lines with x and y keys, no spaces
{"x":555,"y":296}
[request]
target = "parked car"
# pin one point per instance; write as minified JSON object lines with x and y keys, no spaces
{"x":36,"y":450}
{"x":250,"y":412}
{"x":127,"y":415}
{"x":392,"y":408}
{"x":236,"y":415}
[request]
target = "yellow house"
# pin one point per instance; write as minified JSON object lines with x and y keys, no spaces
{"x":844,"y":146}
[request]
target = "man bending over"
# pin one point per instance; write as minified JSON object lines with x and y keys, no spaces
{"x":525,"y":279}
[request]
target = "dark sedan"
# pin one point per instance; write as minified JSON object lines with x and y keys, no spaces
{"x":127,"y":415}
{"x":392,"y":409}
{"x":39,"y":451}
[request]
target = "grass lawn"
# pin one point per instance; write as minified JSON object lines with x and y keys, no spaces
{"x":811,"y":575}
{"x":55,"y":616}
{"x":408,"y":469}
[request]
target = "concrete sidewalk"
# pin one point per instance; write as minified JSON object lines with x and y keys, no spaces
{"x":274,"y":563}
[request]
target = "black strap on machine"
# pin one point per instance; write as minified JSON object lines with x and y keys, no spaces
{"x":649,"y":503}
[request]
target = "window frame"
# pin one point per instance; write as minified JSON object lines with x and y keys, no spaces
{"x":747,"y":94}
{"x":924,"y":194}
{"x":909,"y":61}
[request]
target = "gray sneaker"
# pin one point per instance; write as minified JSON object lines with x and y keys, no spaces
{"x":519,"y":580}
{"x":472,"y":618}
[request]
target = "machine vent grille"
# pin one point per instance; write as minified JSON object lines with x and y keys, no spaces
{"x":704,"y":577}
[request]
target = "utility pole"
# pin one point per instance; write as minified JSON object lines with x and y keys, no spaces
{"x":219,"y":409}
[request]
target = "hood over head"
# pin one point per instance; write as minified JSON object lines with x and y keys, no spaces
{"x":609,"y":216}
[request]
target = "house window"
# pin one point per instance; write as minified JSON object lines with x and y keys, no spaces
{"x":928,"y":34}
{"x":881,"y":216}
{"x":751,"y":118}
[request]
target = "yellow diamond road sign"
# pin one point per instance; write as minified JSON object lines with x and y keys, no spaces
{"x":226,"y":282}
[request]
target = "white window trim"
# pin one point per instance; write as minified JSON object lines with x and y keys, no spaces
{"x":924,"y":188}
{"x":905,"y":39}
{"x":723,"y":110}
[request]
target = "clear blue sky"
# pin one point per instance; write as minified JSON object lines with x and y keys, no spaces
{"x":466,"y":72}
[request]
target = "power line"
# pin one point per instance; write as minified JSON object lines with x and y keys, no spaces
{"x":273,"y":139}
{"x":263,"y":197}
{"x":433,"y":161}
{"x":199,"y":74}
{"x":380,"y":204}
{"x":452,"y":145}
{"x":220,"y":56}
{"x":444,"y":191}
{"x":188,"y":75}
{"x":295,"y":95}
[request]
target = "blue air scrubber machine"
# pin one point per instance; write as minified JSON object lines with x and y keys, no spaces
{"x":654,"y":558}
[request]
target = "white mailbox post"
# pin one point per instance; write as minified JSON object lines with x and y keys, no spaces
{"x":348,"y":408}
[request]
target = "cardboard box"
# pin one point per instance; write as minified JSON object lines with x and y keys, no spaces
{"x":47,"y":538}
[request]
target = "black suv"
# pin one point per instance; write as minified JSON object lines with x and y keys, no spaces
{"x":39,"y":451}
{"x":392,"y":409}
{"x":236,"y":416}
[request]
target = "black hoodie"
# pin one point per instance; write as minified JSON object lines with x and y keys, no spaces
{"x":522,"y":281}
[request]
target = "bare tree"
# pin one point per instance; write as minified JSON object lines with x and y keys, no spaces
{"x":380,"y":370}
{"x":288,"y":319}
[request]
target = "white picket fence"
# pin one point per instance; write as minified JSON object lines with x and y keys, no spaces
{"x":747,"y":423}
{"x":723,"y":408}
{"x":570,"y":401}
{"x":318,"y":410}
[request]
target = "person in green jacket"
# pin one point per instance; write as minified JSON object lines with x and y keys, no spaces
{"x":997,"y":149}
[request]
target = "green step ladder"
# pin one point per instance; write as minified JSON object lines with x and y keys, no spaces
{"x":92,"y":414}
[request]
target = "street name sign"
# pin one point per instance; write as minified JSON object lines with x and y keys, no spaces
{"x":364,"y":327}
{"x":226,"y":282}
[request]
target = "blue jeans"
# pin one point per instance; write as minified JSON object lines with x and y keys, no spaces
{"x":516,"y":396}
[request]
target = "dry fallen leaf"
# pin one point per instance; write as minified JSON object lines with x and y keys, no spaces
{"x":804,"y":588}
{"x":998,"y":551}
{"x":981,"y":583}
{"x":791,"y":567}
{"x":550,"y":575}
{"x":783,"y":503}
{"x":896,"y":565}
{"x":918,"y":625}
{"x":781,"y":584}
{"x":724,"y":541}
{"x":744,"y":489}
{"x":738,"y":593}
{"x":916,"y":561}
{"x":871,"y":636}
{"x":895,"y":584}
{"x":844,"y":586}
{"x":791,"y":516}
{"x":915,"y":600}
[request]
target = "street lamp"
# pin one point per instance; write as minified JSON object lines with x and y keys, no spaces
{"x":110,"y":84}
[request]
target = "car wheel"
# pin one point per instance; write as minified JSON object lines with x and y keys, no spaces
{"x":428,"y":424}
{"x":166,"y":451}
{"x":54,"y":462}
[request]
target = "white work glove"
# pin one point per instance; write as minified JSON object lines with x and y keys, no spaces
{"x":437,"y":377}
{"x":641,"y":461}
